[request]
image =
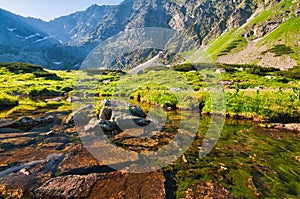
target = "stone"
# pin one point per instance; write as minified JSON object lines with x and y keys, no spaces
{"x":105,"y":185}
{"x":77,"y":160}
{"x":127,"y":122}
{"x":136,"y":111}
{"x":81,"y":117}
{"x":105,"y":113}
{"x":73,"y":99}
{"x":57,"y":99}
{"x":292,"y":126}
{"x":25,"y":121}
{"x":96,"y":125}
{"x":74,"y":186}
{"x":25,"y":171}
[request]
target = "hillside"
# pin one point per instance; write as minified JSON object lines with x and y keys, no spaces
{"x":235,"y":32}
{"x":269,"y":38}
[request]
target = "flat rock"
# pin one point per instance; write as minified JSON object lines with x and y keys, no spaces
{"x":105,"y":185}
{"x":292,"y":127}
{"x":78,"y":158}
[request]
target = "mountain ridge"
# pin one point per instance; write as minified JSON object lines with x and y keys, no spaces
{"x":69,"y":39}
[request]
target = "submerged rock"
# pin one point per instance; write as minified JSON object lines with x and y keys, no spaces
{"x":127,"y":122}
{"x":208,"y":190}
{"x":137,"y":111}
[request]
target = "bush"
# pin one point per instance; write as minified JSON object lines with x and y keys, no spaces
{"x":21,"y":68}
{"x":291,"y":73}
{"x":184,"y":67}
{"x":8,"y":100}
{"x":46,"y":75}
{"x":279,"y":50}
{"x":43,"y":92}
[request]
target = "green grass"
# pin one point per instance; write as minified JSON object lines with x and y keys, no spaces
{"x":287,"y":33}
{"x":229,"y":42}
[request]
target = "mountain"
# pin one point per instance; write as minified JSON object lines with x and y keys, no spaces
{"x":227,"y":29}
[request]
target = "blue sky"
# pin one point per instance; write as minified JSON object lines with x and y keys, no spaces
{"x":49,"y":9}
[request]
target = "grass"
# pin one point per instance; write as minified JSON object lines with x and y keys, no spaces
{"x":229,"y":42}
{"x":287,"y":33}
{"x":258,"y":165}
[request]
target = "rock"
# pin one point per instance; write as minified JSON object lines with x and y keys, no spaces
{"x":127,"y":122}
{"x":108,"y":126}
{"x":25,"y":121}
{"x":208,"y":190}
{"x":78,"y":160}
{"x":6,"y":123}
{"x":136,"y":111}
{"x":57,"y":99}
{"x":47,"y":119}
{"x":105,"y":185}
{"x":28,"y":121}
{"x":95,"y":125}
{"x":220,"y":70}
{"x":69,"y":120}
{"x":292,"y":126}
{"x":25,"y":171}
{"x":106,"y":114}
{"x":50,"y":133}
{"x":74,"y":186}
{"x":92,"y":125}
{"x":81,"y":117}
{"x":73,"y":99}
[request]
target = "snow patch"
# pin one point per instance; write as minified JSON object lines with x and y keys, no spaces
{"x":31,"y":36}
{"x":11,"y":29}
{"x":20,"y":36}
{"x":57,"y":63}
{"x":45,"y":38}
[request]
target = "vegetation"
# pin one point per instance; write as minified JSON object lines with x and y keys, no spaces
{"x":279,"y":50}
{"x":241,"y":160}
{"x":247,"y":160}
{"x":7,"y":101}
{"x":173,"y":89}
{"x":282,"y":41}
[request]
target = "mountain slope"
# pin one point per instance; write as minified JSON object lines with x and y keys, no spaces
{"x":240,"y":31}
{"x":269,"y":38}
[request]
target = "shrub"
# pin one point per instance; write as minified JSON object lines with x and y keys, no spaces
{"x":291,"y":73}
{"x":7,"y":100}
{"x":42,"y":92}
{"x":184,"y":67}
{"x":21,"y":68}
{"x":279,"y":50}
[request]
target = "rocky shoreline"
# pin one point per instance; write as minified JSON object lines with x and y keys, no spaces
{"x":43,"y":157}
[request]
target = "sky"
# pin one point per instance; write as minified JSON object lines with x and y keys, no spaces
{"x":50,"y":9}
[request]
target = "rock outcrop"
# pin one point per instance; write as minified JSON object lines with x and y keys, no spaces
{"x":106,"y":185}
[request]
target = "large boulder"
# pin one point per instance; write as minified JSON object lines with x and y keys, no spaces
{"x":105,"y":185}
